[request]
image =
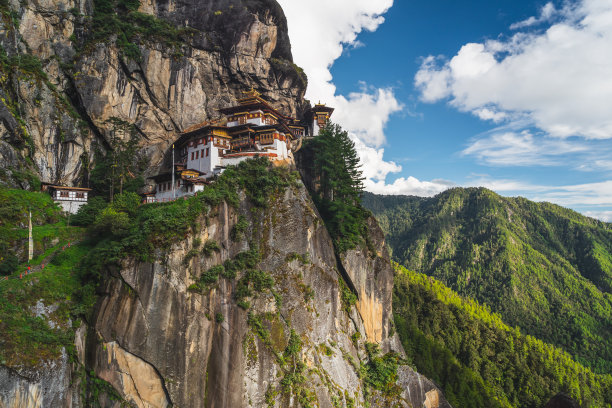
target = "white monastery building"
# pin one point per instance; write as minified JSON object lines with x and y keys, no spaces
{"x":250,"y":128}
{"x":70,"y":199}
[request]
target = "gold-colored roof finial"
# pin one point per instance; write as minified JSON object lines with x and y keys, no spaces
{"x":252,"y":93}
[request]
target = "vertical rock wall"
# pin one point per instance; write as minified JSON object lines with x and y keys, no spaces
{"x":52,"y":117}
{"x":150,"y":326}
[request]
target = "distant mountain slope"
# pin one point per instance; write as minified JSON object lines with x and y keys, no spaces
{"x":545,"y":269}
{"x":478,"y":360}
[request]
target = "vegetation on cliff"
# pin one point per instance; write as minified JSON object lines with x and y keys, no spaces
{"x":26,"y":334}
{"x":115,"y":231}
{"x":543,"y":268}
{"x":478,"y":360}
{"x":120,"y":21}
{"x":49,"y":226}
{"x":120,"y":168}
{"x":338,"y":185}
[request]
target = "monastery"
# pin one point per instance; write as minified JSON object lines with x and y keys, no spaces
{"x":251,"y":128}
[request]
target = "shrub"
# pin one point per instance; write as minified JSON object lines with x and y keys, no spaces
{"x":230,"y":269}
{"x":87,"y":213}
{"x":380,"y":372}
{"x":239,"y":229}
{"x":209,"y":247}
{"x":197,"y":242}
{"x":212,"y":275}
{"x":109,"y":221}
{"x":243,"y":304}
{"x":303,"y":258}
{"x":347,"y":296}
{"x":194,"y":287}
{"x":8,"y":263}
{"x":127,"y":203}
{"x":260,"y":280}
{"x":190,"y":255}
{"x":219,"y":318}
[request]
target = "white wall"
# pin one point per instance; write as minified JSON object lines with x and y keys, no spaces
{"x":70,"y":206}
{"x":204,"y":164}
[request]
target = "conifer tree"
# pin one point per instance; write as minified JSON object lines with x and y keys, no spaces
{"x":339,"y":185}
{"x":120,"y":168}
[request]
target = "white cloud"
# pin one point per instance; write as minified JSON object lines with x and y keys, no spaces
{"x":597,"y":194}
{"x":522,"y":149}
{"x":490,"y":114}
{"x":409,"y":186}
{"x":433,"y":83}
{"x":320,"y":30}
{"x":600,"y":215}
{"x":365,"y":114}
{"x":546,"y":13}
{"x":376,"y":169}
{"x":559,"y":80}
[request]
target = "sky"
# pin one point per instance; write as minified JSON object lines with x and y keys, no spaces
{"x":512,"y":95}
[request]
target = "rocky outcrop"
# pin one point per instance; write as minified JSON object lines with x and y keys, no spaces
{"x":134,"y":378}
{"x":49,"y":385}
{"x":203,"y":349}
{"x":371,"y":276}
{"x":56,"y":113}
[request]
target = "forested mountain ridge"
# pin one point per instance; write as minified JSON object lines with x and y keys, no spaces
{"x":477,"y":359}
{"x":543,"y":268}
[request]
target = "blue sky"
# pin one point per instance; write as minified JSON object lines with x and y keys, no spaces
{"x":511,"y":95}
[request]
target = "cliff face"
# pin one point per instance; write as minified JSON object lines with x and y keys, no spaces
{"x":159,"y":343}
{"x":280,"y":335}
{"x":60,"y":87}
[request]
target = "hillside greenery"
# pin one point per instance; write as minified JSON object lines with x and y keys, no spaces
{"x":124,"y":228}
{"x":50,"y":228}
{"x":54,"y":294}
{"x":114,"y":231}
{"x":543,"y":268}
{"x":477,"y":359}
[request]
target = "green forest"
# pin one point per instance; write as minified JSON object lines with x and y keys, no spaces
{"x":544,"y":269}
{"x":478,"y":360}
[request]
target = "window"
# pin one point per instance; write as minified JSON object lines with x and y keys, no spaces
{"x":63,"y":194}
{"x":192,"y":154}
{"x":80,"y":195}
{"x":207,"y":152}
{"x":197,"y":154}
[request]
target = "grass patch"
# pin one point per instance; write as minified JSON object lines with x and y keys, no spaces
{"x":26,"y":339}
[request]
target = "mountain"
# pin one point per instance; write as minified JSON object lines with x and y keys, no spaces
{"x":234,"y":297}
{"x":478,"y":360}
{"x":72,"y":69}
{"x":545,"y":269}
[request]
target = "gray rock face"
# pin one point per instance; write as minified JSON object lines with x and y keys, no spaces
{"x":151,"y":327}
{"x":57,"y":114}
{"x":372,"y":278}
{"x":49,"y":385}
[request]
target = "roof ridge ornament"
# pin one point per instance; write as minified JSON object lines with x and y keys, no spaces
{"x":252,"y":93}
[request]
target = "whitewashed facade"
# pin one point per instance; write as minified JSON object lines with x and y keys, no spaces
{"x":251,"y":128}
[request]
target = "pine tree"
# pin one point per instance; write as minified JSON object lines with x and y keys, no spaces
{"x":120,"y":168}
{"x":339,"y":186}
